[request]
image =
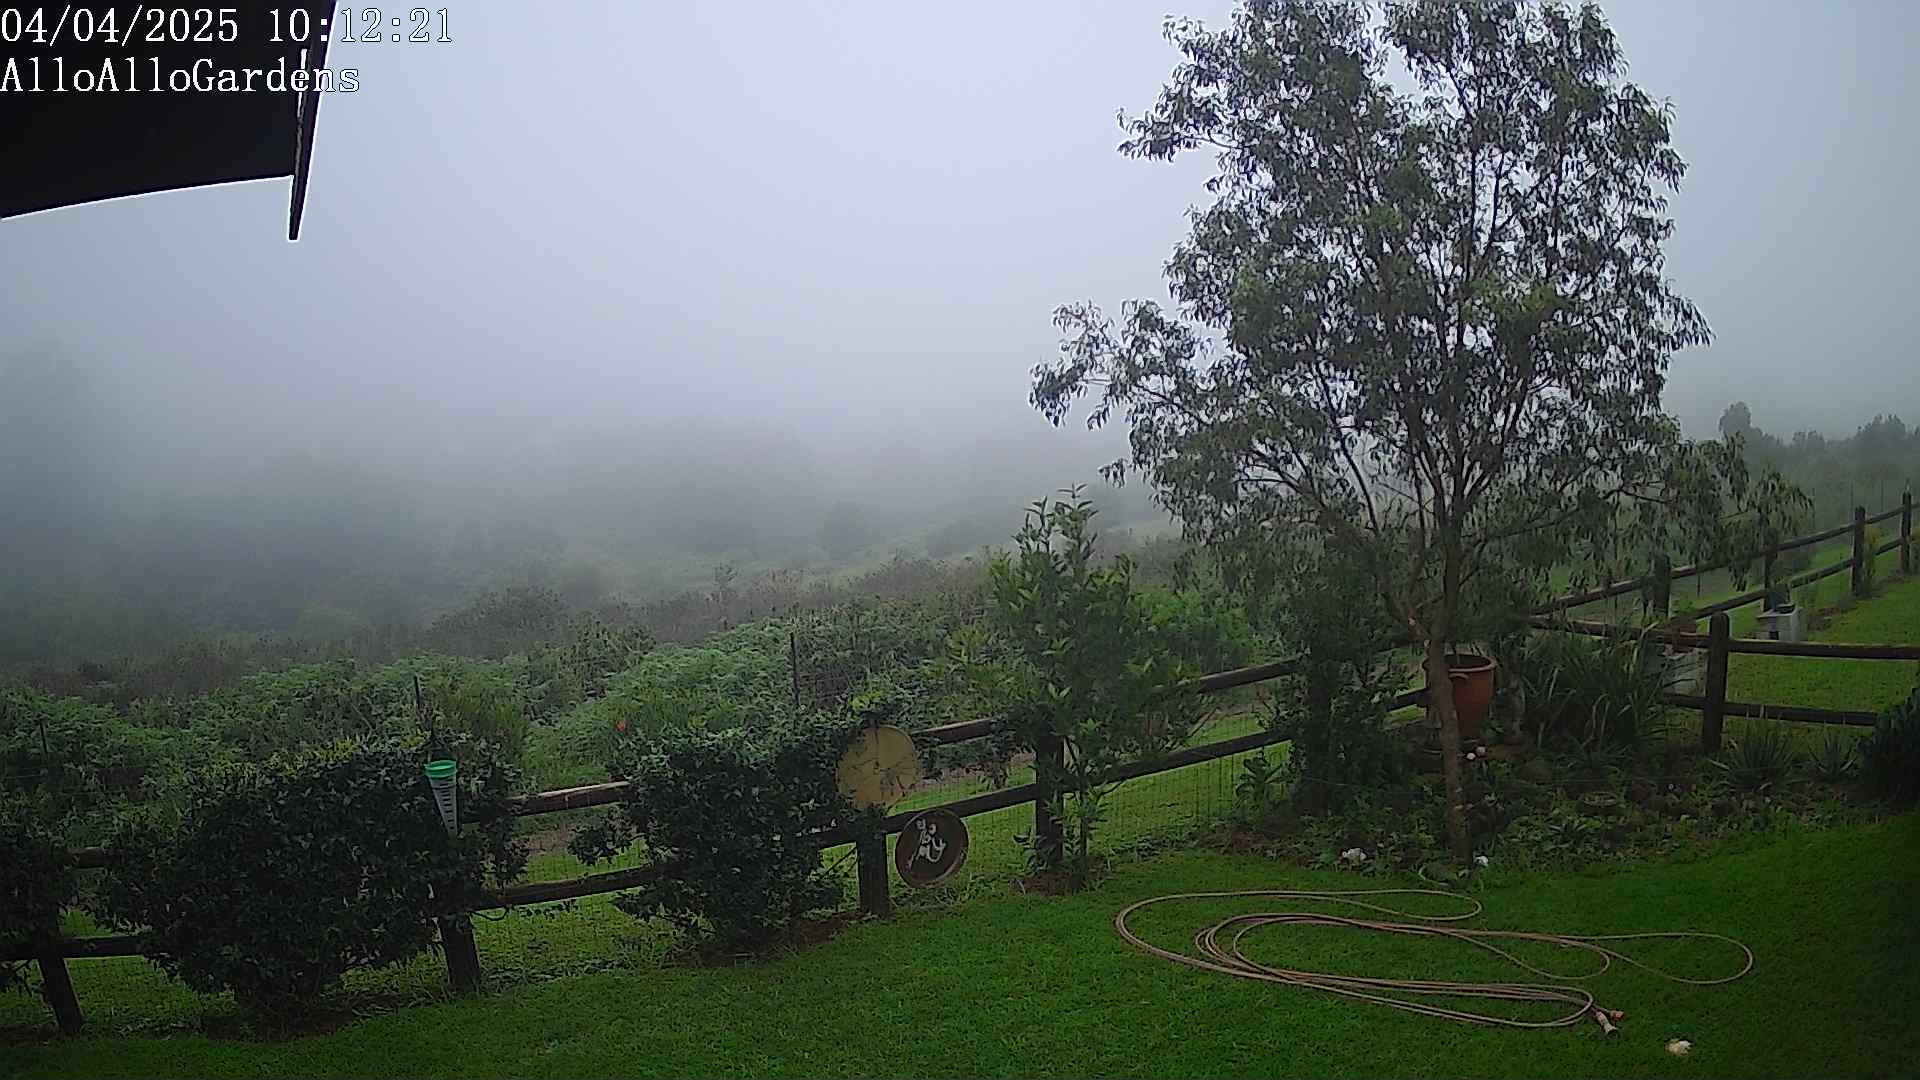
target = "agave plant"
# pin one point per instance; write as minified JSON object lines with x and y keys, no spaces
{"x":1833,"y":758}
{"x":1759,"y":756}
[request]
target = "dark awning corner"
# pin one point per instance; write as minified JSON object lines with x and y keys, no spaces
{"x":67,"y":147}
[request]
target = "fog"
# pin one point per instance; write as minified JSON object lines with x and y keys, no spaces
{"x":595,"y":276}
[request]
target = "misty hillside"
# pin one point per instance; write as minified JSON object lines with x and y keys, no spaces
{"x":127,"y":531}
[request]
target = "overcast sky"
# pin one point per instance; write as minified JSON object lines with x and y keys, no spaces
{"x":858,"y":218}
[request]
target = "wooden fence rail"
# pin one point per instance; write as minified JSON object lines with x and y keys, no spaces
{"x":462,"y":956}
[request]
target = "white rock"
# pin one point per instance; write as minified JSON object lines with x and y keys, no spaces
{"x":1680,"y":1048}
{"x":1353,"y":855}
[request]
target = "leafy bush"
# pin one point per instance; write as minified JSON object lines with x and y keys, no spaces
{"x":1890,"y":756}
{"x":1341,"y":745}
{"x":39,"y":733}
{"x":84,"y":763}
{"x":737,"y":679}
{"x":552,"y":677}
{"x":1333,"y":706}
{"x":280,"y":877}
{"x":460,"y":695}
{"x":729,"y":816}
{"x":1759,"y":756}
{"x":1081,"y":659}
{"x":305,"y":704}
{"x":1206,"y":627}
{"x":36,"y":883}
{"x":1078,"y":658}
{"x":315,"y":704}
{"x":1257,"y":794}
{"x":1869,"y":568}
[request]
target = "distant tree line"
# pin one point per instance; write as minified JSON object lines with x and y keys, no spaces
{"x":1869,"y":468}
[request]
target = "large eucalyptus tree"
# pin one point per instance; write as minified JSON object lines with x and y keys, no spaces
{"x":1425,"y":316}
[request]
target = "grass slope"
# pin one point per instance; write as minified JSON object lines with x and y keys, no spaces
{"x":1029,"y":986}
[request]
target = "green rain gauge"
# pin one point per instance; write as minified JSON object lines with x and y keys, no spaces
{"x":440,"y":776}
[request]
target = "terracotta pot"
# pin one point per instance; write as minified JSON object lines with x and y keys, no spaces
{"x":1472,"y":678}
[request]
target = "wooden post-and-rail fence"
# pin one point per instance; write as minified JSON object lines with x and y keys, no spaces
{"x":463,"y":961}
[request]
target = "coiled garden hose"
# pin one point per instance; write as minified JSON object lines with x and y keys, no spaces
{"x":1220,"y":951}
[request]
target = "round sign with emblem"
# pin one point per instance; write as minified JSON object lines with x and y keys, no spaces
{"x":878,"y":768}
{"x":930,"y":848}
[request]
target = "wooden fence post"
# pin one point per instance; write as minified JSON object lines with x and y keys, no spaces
{"x":463,"y":956}
{"x":1860,"y":552}
{"x":1906,"y":532}
{"x":875,"y":898}
{"x":57,"y":988}
{"x":1713,"y":714}
{"x":1049,"y":761}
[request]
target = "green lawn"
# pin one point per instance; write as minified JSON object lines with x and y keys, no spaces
{"x":1891,"y":617}
{"x":1015,"y":985}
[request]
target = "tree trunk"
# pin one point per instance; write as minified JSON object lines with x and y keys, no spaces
{"x":1440,"y":703}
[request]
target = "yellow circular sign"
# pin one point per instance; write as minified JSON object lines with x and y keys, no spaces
{"x":878,"y":768}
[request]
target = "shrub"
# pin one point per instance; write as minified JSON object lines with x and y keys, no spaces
{"x":1257,"y":793}
{"x":36,"y":883}
{"x":552,"y":677}
{"x":1333,"y":706}
{"x":280,"y":877}
{"x":729,"y":816}
{"x":737,"y":679}
{"x":1081,"y":659}
{"x":304,"y":704}
{"x":1394,"y":836}
{"x":1340,"y":744}
{"x":460,"y":695}
{"x":83,"y":760}
{"x":1759,"y":756}
{"x":1205,"y":626}
{"x":1890,"y":755}
{"x":315,"y":704}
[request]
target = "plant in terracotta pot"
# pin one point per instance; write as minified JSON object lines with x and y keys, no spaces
{"x":1471,"y":676}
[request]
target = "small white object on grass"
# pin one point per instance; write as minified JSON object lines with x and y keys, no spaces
{"x":1479,"y":860}
{"x":1679,"y":1048}
{"x":1353,"y":855}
